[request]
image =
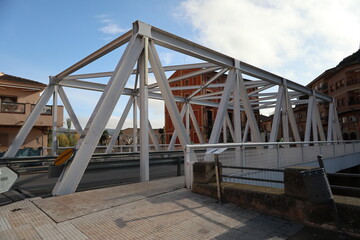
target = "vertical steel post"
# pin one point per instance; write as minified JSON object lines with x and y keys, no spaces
{"x":144,"y":116}
{"x":135,"y":124}
{"x":54,"y":145}
{"x":309,"y":119}
{"x":218,"y":177}
{"x":330,"y":122}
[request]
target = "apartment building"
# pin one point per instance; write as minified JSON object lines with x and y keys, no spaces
{"x":18,"y":97}
{"x":343,"y":83}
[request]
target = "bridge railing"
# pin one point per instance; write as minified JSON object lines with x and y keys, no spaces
{"x":266,"y":154}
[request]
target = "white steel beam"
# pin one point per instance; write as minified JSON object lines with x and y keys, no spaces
{"x":277,"y":114}
{"x":229,"y":125}
{"x":73,"y":174}
{"x":54,"y":144}
{"x":187,"y":120}
{"x":309,"y":119}
{"x":216,"y":76}
{"x":166,"y":68}
{"x":291,"y":116}
{"x":285,"y":119}
{"x":318,"y":122}
{"x":174,"y":135}
{"x":29,"y":123}
{"x":144,"y":113}
{"x":196,"y":125}
{"x":135,"y":124}
{"x":70,"y":110}
{"x":220,"y":115}
{"x":118,"y":42}
{"x":224,"y":131}
{"x":119,"y":126}
{"x":167,"y":95}
{"x":246,"y":131}
{"x":237,"y":112}
{"x":188,"y":75}
{"x":330,"y":122}
{"x":255,"y":132}
{"x":337,"y":124}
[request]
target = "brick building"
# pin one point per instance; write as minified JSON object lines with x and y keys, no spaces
{"x":18,"y":97}
{"x":205,"y":115}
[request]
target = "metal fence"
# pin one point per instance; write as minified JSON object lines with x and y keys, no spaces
{"x":266,"y":155}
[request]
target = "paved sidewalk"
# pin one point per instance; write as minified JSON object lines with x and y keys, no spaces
{"x":159,"y":209}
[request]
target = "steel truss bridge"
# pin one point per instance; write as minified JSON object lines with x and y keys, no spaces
{"x":140,"y":59}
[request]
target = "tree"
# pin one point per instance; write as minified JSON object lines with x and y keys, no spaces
{"x":73,"y":138}
{"x":104,"y":139}
{"x":63,"y":140}
{"x":68,"y":124}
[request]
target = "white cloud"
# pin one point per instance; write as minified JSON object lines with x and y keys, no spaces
{"x":109,"y":26}
{"x":304,"y":37}
{"x":166,"y":58}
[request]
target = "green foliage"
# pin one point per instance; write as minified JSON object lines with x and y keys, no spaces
{"x":105,"y":138}
{"x":74,"y":139}
{"x":63,"y":140}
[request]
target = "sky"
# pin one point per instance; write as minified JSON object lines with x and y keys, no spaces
{"x":296,"y":39}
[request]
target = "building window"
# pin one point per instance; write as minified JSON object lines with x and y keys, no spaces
{"x":4,"y":140}
{"x":344,"y":120}
{"x":209,"y":118}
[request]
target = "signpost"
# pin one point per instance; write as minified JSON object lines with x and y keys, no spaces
{"x":7,"y":178}
{"x":216,"y":152}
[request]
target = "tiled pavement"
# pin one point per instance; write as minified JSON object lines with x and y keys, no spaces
{"x":159,"y":209}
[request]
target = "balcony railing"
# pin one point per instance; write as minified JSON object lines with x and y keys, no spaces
{"x":47,"y":110}
{"x":7,"y":107}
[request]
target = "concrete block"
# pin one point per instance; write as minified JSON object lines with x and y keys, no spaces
{"x":293,"y":182}
{"x":204,"y":172}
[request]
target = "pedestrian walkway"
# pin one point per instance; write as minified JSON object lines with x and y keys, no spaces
{"x":160,"y":209}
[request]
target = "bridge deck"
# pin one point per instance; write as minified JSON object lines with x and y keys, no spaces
{"x":159,"y":209}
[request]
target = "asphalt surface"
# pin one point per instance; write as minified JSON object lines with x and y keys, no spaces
{"x":38,"y":184}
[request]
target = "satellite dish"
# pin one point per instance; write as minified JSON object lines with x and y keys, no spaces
{"x":7,"y":178}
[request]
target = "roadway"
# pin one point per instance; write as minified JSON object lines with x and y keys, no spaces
{"x":38,"y":184}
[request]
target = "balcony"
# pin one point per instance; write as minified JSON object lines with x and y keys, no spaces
{"x":15,"y":114}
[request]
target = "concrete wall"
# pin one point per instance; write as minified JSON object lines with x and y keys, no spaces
{"x":290,"y":203}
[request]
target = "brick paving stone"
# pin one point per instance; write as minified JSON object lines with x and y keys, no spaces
{"x":154,"y":210}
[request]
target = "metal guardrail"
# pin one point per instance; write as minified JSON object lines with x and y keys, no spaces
{"x":279,"y":154}
{"x":253,"y":178}
{"x":98,"y":161}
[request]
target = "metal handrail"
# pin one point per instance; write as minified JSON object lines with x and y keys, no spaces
{"x":254,"y":168}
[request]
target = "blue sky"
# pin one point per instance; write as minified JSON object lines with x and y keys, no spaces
{"x":296,"y":39}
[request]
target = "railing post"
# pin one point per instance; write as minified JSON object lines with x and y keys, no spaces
{"x":178,"y":172}
{"x":218,"y":176}
{"x":187,"y":168}
{"x":302,"y":153}
{"x":277,"y":155}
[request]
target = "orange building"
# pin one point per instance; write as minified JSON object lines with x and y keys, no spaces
{"x":18,"y":97}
